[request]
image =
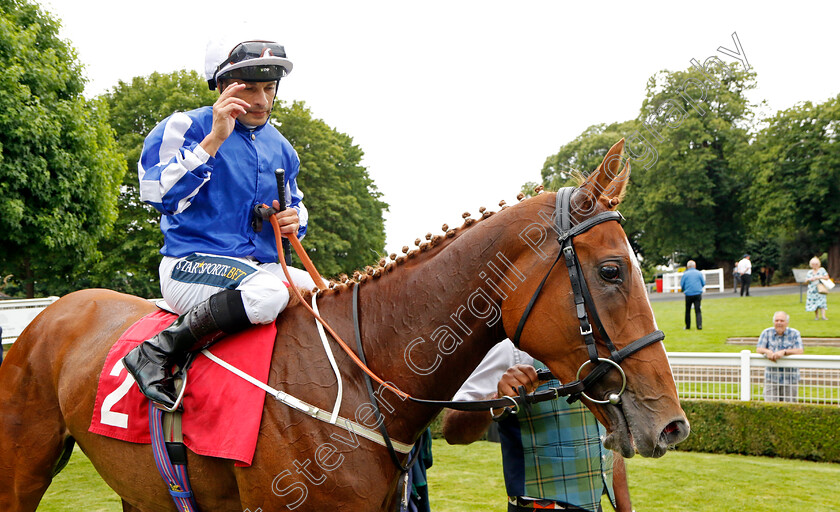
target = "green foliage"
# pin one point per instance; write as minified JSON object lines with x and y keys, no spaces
{"x":581,"y":157}
{"x":796,"y":179}
{"x":346,"y":225}
{"x":688,"y":202}
{"x":59,"y":167}
{"x":792,"y":431}
{"x":764,"y":252}
{"x":798,"y":170}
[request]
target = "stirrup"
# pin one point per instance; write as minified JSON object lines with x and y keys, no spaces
{"x":181,"y":376}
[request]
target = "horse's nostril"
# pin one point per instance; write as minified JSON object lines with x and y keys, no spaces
{"x":675,"y":432}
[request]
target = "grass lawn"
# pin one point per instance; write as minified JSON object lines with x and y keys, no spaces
{"x":469,"y":478}
{"x":734,"y":316}
{"x":79,"y":488}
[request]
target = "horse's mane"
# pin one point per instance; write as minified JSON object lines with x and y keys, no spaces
{"x":425,"y":249}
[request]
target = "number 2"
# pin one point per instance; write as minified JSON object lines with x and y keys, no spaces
{"x":109,"y":417}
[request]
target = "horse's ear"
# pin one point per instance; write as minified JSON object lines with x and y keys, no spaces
{"x":620,"y":185}
{"x":610,"y":178}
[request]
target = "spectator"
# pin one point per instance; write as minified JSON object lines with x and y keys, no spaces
{"x":816,"y":300}
{"x":552,"y":455}
{"x":736,"y":278}
{"x":692,"y":284}
{"x":780,"y":384}
{"x":745,"y":270}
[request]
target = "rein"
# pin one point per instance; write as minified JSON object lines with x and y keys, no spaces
{"x":310,"y":267}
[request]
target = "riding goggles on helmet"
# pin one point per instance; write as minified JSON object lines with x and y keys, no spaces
{"x":254,"y":61}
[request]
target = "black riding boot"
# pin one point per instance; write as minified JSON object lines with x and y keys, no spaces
{"x":151,"y":362}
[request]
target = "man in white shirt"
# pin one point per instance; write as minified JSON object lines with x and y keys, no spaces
{"x":745,"y":269}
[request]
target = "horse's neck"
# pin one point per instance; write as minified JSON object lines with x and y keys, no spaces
{"x":428,"y":323}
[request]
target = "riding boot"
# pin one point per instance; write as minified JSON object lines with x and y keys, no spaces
{"x":151,"y":362}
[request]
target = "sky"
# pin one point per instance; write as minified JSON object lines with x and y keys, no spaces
{"x":458,"y":103}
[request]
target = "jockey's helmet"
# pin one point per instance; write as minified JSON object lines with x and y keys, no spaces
{"x":249,"y":61}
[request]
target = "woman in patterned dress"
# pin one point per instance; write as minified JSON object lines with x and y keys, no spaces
{"x":816,"y":301}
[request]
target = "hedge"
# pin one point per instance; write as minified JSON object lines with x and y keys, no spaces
{"x":791,"y":431}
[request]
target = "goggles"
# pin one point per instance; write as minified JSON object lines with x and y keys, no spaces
{"x":255,"y":61}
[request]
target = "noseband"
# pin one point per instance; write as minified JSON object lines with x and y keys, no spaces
{"x":583,"y":299}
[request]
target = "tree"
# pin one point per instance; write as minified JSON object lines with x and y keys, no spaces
{"x":59,"y":167}
{"x":796,"y":179}
{"x":687,"y":151}
{"x":689,"y":201}
{"x":346,"y":224}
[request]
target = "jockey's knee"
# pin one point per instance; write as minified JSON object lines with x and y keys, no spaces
{"x":263,"y":304}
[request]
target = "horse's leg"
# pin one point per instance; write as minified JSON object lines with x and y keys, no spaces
{"x":129,"y":508}
{"x":32,"y":433}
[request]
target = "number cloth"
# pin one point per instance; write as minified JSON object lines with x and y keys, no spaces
{"x":213,"y":423}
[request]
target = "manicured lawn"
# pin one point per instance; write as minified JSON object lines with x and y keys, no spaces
{"x":734,"y":316}
{"x":469,"y":479}
{"x":79,"y":488}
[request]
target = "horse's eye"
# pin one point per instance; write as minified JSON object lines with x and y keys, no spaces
{"x":610,"y":272}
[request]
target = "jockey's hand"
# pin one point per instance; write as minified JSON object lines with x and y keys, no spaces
{"x":225,"y":111}
{"x":515,"y":376}
{"x":288,"y":220}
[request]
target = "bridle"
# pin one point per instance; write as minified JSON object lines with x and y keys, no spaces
{"x":584,"y":301}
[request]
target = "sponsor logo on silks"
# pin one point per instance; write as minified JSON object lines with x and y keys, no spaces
{"x":211,"y":270}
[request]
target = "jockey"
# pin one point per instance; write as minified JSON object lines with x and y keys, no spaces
{"x":205,"y":170}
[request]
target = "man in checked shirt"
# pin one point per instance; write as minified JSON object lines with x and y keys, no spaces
{"x":780,"y":384}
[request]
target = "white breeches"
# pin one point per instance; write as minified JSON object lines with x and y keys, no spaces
{"x":187,"y":281}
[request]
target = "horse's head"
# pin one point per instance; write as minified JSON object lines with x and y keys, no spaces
{"x":647,"y":416}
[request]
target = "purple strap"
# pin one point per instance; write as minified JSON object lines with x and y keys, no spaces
{"x":175,"y":476}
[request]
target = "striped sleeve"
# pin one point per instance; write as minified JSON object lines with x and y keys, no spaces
{"x":173,"y":166}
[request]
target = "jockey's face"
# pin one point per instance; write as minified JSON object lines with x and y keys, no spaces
{"x":259,"y":95}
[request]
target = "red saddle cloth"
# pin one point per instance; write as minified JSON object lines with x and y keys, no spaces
{"x":222,"y":412}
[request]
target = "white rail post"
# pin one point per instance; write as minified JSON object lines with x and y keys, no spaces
{"x":746,"y":387}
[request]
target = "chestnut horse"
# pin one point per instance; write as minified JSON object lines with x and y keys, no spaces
{"x":426,"y":321}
